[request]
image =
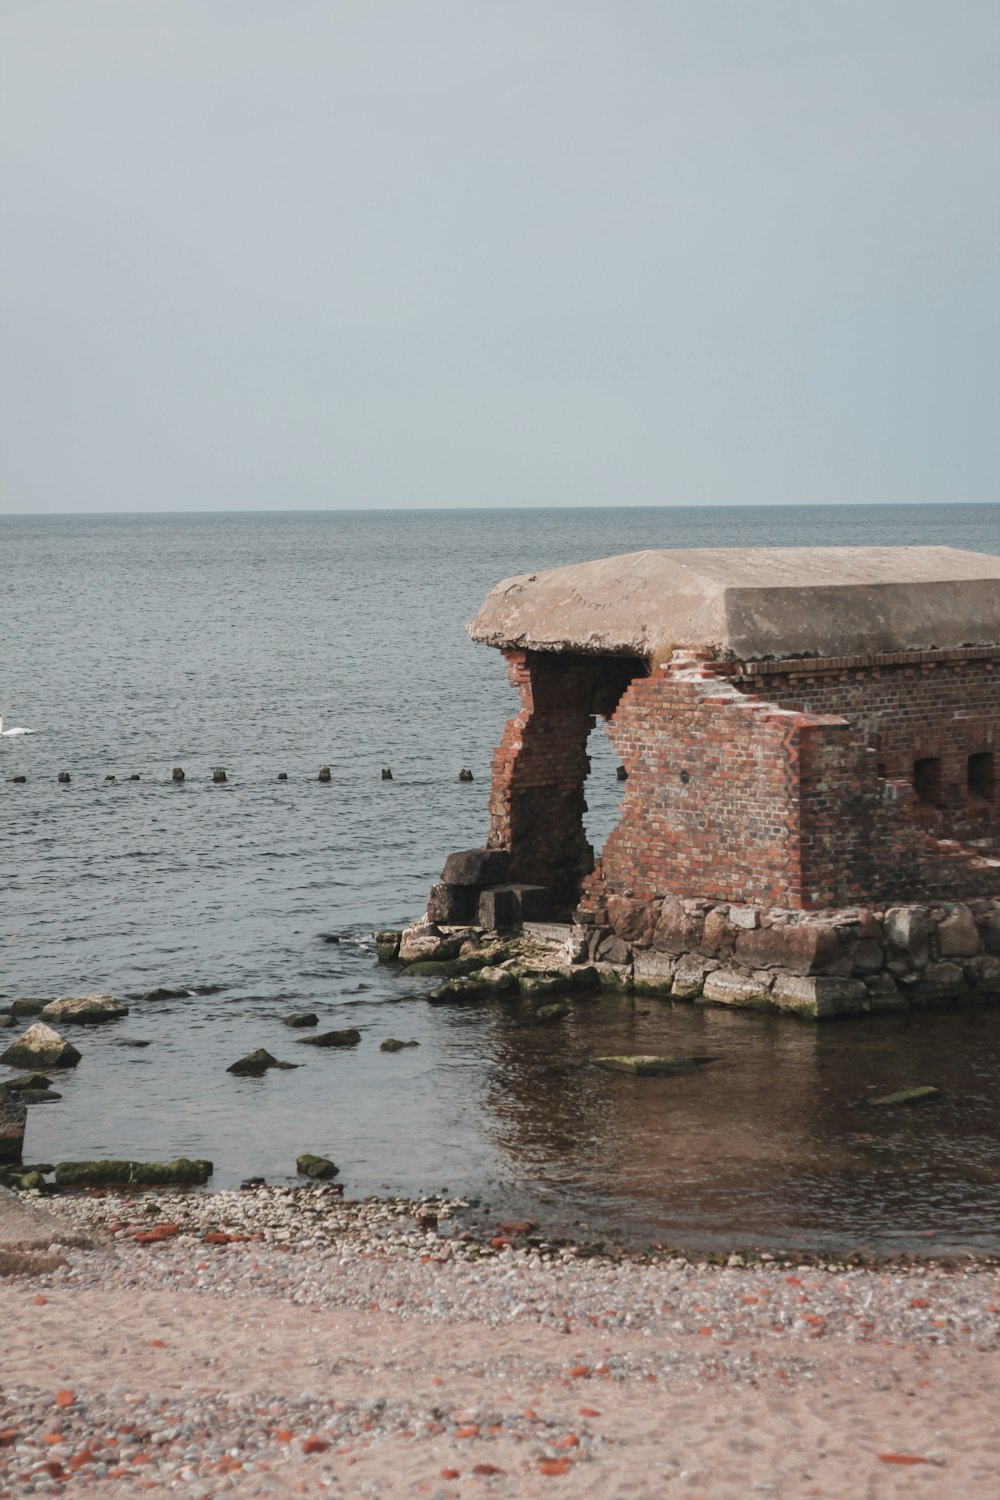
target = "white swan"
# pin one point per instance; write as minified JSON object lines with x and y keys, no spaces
{"x":16,"y":730}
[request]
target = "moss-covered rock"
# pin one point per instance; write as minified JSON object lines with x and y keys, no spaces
{"x":141,"y":1173}
{"x":27,"y":1005}
{"x":308,"y":1165}
{"x":41,"y":1046}
{"x":393,"y":1044}
{"x":300,"y":1018}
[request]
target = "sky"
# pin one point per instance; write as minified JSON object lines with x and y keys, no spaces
{"x":392,"y":253}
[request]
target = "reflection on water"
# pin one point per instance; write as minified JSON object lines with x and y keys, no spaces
{"x":771,"y":1145}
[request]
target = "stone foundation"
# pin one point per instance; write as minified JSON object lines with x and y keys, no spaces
{"x":824,"y":964}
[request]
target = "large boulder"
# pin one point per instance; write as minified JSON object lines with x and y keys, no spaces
{"x":86,"y":1010}
{"x":426,"y":942}
{"x":452,"y":905}
{"x":41,"y":1046}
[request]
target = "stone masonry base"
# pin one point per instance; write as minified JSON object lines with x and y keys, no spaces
{"x":820,"y":965}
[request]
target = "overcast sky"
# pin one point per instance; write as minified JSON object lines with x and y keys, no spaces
{"x":353,"y":253}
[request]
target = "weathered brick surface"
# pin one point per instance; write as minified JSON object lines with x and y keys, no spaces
{"x":788,"y":784}
{"x":733,"y":798}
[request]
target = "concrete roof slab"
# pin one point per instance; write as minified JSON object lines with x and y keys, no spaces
{"x":751,"y":603}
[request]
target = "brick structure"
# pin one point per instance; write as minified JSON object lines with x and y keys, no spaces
{"x":804,"y":731}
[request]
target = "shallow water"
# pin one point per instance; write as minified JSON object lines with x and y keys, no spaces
{"x":267,"y":643}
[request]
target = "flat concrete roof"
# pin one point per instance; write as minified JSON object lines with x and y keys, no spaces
{"x":746,"y":603}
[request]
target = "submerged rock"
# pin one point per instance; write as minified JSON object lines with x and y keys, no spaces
{"x":308,"y":1165}
{"x":646,"y":1065}
{"x":301,"y":1018}
{"x":144,"y":1173}
{"x":253,"y":1064}
{"x":5,"y":1021}
{"x":41,"y":1046}
{"x":86,"y":1010}
{"x":923,"y":1095}
{"x":545,"y":1015}
{"x":393,"y":1044}
{"x":350,"y":1037}
{"x":162,"y":992}
{"x":34,"y":1088}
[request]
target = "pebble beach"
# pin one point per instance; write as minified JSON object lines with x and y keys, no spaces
{"x":276,"y":1341}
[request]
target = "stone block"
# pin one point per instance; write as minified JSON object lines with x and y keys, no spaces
{"x":633,"y":921}
{"x":717,"y":936}
{"x":803,"y":948}
{"x":479,"y":867}
{"x":820,"y":996}
{"x":989,"y":926}
{"x":958,"y":935}
{"x":451,"y":905}
{"x":13,"y":1115}
{"x":652,"y":972}
{"x":614,"y":951}
{"x":497,"y":909}
{"x":731,"y":987}
{"x":533,"y":902}
{"x":983,"y":971}
{"x":907,"y":929}
{"x":678,"y":930}
{"x":744,"y":916}
{"x":939,"y":984}
{"x":868,"y":957}
{"x":884,"y":994}
{"x":689,"y":976}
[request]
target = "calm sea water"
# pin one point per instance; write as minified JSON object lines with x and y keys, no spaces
{"x":281,"y":642}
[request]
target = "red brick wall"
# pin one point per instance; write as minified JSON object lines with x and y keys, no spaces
{"x":731,"y":798}
{"x":774,"y":799}
{"x":540,"y":766}
{"x":907,"y":708}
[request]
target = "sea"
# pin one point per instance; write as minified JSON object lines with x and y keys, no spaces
{"x":267,"y":643}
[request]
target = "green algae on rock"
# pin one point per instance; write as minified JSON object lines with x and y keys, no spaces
{"x":139,"y":1173}
{"x":308,"y":1165}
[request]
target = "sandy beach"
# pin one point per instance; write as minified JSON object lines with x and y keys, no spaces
{"x":365,"y":1349}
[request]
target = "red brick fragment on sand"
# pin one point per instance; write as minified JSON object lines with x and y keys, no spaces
{"x":467,"y":1432}
{"x":901,"y":1458}
{"x":487,"y":1469}
{"x":65,"y":1398}
{"x":314,"y":1445}
{"x":554,"y":1466}
{"x":451,"y":1473}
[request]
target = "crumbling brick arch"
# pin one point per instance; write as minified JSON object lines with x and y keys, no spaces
{"x":537,"y":802}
